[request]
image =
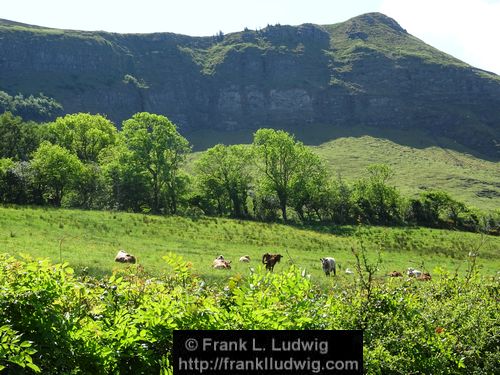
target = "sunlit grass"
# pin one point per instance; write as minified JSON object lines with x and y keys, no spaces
{"x":89,"y":240}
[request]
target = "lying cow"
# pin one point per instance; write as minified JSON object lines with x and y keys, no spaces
{"x":245,"y":259}
{"x":221,"y":264}
{"x":329,"y":265}
{"x":426,"y":276}
{"x":270,"y":260}
{"x":124,"y":257}
{"x":395,"y":274}
{"x":411,"y":272}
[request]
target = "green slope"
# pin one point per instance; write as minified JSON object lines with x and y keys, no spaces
{"x":467,"y":178}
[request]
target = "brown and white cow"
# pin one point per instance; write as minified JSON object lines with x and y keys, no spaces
{"x":222,"y":264}
{"x":124,"y":257}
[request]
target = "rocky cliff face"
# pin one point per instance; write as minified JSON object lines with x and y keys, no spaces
{"x":365,"y":71}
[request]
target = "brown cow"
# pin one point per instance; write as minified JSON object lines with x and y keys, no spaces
{"x":395,"y":274}
{"x":426,"y":276}
{"x":124,"y":257}
{"x":270,"y":260}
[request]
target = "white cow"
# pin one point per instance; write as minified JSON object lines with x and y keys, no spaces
{"x":412,"y":272}
{"x":329,"y":265}
{"x":245,"y":259}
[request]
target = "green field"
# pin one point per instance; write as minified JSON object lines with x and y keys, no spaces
{"x":91,"y":239}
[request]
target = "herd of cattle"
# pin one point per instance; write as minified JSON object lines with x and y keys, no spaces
{"x":328,"y":265}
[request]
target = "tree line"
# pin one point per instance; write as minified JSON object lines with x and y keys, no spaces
{"x":82,"y":160}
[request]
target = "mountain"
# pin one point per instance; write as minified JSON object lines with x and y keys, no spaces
{"x":367,"y":71}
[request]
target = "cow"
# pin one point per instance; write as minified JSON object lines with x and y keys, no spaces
{"x":221,"y":264}
{"x":124,"y":257}
{"x":220,"y":258}
{"x":395,"y":274}
{"x":426,"y":276}
{"x":411,"y":272}
{"x":245,"y":259}
{"x":270,"y":260}
{"x":329,"y":265}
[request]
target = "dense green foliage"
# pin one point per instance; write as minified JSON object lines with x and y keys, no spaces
{"x":124,"y":323}
{"x":18,"y":139}
{"x":36,"y":108}
{"x":81,"y":160}
{"x":225,"y":175}
{"x":157,"y":151}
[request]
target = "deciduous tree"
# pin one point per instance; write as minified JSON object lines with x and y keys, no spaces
{"x":225,"y":172}
{"x":158,"y":150}
{"x":56,"y":170}
{"x":83,"y":134}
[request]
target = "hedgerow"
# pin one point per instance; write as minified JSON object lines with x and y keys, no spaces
{"x":55,"y":322}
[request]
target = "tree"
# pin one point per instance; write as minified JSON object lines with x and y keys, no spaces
{"x":308,"y":183}
{"x":225,"y":173}
{"x":286,"y":166}
{"x":333,"y":201}
{"x":90,"y":191}
{"x":126,"y":185}
{"x":56,"y":170}
{"x":35,"y":108}
{"x":18,"y":139}
{"x":158,"y":150}
{"x":5,"y":167}
{"x":377,"y":202}
{"x":83,"y":134}
{"x":435,"y":206}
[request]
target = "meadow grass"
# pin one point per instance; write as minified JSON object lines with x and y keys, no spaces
{"x":89,"y":241}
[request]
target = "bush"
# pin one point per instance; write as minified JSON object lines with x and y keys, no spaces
{"x":60,"y":323}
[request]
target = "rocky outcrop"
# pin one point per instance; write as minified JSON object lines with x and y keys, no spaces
{"x":366,"y":71}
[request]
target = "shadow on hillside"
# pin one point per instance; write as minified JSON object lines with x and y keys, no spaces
{"x":315,"y":135}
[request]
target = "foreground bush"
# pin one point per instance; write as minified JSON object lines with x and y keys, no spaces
{"x":55,"y":322}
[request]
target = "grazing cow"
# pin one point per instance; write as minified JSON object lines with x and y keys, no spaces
{"x":270,"y":260}
{"x":395,"y":274}
{"x":221,"y":264}
{"x":245,"y":259}
{"x":329,"y":265}
{"x":411,"y":272}
{"x":124,"y":257}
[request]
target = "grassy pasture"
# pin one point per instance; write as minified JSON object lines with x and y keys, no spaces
{"x":92,"y":238}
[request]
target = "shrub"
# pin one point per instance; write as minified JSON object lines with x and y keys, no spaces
{"x":56,"y":322}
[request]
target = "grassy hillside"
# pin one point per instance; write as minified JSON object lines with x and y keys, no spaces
{"x":92,"y":239}
{"x":469,"y":179}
